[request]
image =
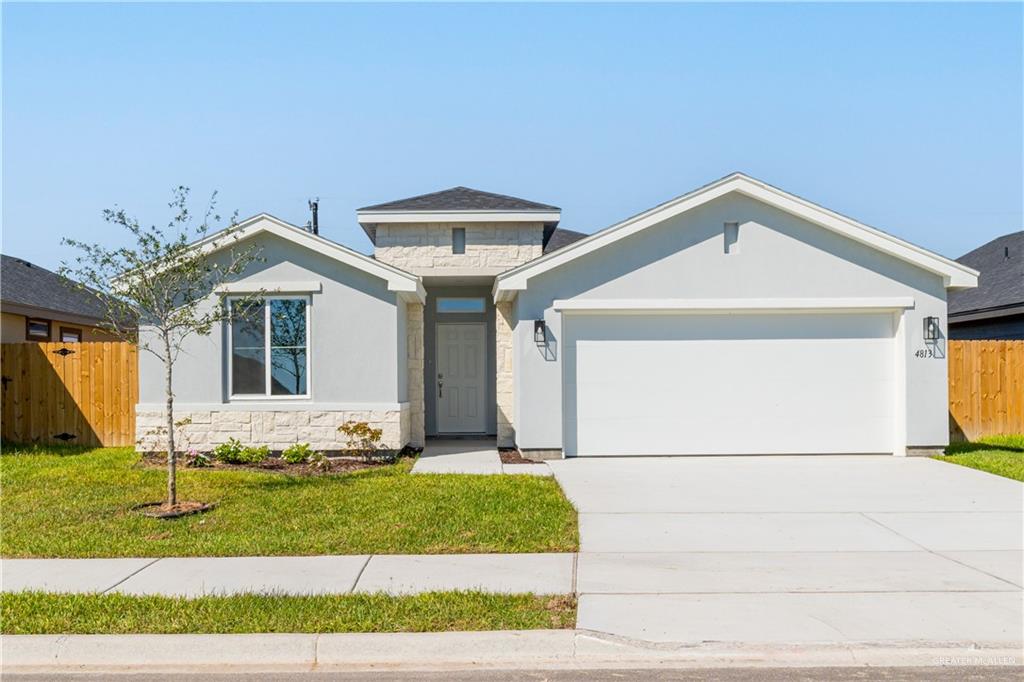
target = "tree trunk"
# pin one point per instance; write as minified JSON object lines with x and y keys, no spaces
{"x":172,"y":472}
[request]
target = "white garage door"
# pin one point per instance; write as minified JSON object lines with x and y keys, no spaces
{"x":681,"y":384}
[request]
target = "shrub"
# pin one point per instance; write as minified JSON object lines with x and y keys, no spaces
{"x":319,"y":461}
{"x":197,"y":459}
{"x":298,"y":453}
{"x":233,"y":452}
{"x":363,"y":440}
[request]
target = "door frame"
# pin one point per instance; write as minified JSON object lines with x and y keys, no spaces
{"x":483,"y":386}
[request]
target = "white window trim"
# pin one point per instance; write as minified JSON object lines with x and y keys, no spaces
{"x":229,"y":356}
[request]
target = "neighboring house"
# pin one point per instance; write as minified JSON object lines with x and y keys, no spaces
{"x":39,"y":305}
{"x":995,"y":310}
{"x":736,"y":319}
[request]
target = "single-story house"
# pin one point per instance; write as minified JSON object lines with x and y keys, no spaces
{"x":995,"y":309}
{"x":734,"y":319}
{"x":39,"y":305}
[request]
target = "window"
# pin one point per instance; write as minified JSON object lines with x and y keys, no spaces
{"x":36,"y":329}
{"x":70,"y":335}
{"x":269,"y":347}
{"x":458,"y":240}
{"x":461,"y":305}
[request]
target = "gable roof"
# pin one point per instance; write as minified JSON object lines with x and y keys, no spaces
{"x":407,"y":285}
{"x":461,"y":199}
{"x":954,"y":274}
{"x":1001,"y":284}
{"x":28,"y":285}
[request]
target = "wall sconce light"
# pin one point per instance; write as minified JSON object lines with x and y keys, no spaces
{"x":539,"y":332}
{"x":931,"y":329}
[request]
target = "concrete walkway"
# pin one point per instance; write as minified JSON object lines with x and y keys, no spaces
{"x":470,"y":456}
{"x":393,"y":574}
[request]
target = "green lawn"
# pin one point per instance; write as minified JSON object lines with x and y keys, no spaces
{"x":34,"y":613}
{"x":1002,"y":455}
{"x":67,"y":502}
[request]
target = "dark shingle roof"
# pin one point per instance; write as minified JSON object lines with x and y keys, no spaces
{"x":560,"y":238}
{"x":460,"y":199}
{"x":1001,"y":284}
{"x":23,"y":283}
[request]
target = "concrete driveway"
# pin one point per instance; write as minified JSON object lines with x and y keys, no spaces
{"x":797,"y":549}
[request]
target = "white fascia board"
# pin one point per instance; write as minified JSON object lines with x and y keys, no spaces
{"x":250,"y":287}
{"x":954,"y":274}
{"x":378,"y":217}
{"x":397,"y":280}
{"x":731,"y":305}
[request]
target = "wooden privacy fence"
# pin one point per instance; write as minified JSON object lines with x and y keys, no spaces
{"x":76,"y":393}
{"x":986,"y":388}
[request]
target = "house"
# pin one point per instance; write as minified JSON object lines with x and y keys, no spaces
{"x":994,"y":310}
{"x":39,"y":305}
{"x":734,"y":319}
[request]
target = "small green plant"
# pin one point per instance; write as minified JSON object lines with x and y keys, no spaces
{"x":319,"y":461}
{"x":363,"y":440}
{"x":233,"y":452}
{"x":298,"y":453}
{"x":255,"y":455}
{"x":196,"y":459}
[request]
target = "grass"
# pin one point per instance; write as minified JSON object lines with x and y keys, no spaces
{"x":75,"y":502}
{"x":29,"y":613}
{"x":1000,"y":455}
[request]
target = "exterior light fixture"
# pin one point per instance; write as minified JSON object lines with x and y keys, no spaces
{"x":539,"y":332}
{"x":931,"y":329}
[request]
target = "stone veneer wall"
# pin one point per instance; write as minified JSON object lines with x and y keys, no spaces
{"x":505,"y":380}
{"x":414,"y":360}
{"x":277,"y":429}
{"x":417,"y":246}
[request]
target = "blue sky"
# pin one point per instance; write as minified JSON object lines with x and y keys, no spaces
{"x":907,"y":117}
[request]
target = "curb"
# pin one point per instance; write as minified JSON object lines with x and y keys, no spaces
{"x":528,"y":649}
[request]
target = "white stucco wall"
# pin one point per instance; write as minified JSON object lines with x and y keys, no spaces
{"x":778,"y":256}
{"x":357,"y":345}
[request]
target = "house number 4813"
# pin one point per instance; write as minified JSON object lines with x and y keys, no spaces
{"x":924,"y":353}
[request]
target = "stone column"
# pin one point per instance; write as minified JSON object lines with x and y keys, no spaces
{"x":414,"y":360}
{"x":506,"y":388}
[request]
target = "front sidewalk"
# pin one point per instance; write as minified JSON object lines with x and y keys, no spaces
{"x":390,"y":573}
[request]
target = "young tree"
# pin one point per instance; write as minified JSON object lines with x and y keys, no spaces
{"x":162,"y":282}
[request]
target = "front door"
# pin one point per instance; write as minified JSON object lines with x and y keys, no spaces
{"x":460,"y":378}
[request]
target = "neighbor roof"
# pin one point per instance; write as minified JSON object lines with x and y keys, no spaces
{"x":1001,"y":284}
{"x":560,"y":238}
{"x":28,"y":285}
{"x":461,"y":199}
{"x":954,"y":274}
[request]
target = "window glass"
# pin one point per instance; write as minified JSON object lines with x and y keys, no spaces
{"x":248,"y":349}
{"x":460,"y":305}
{"x":38,"y":329}
{"x":287,"y":346}
{"x":70,"y":335}
{"x":458,"y":240}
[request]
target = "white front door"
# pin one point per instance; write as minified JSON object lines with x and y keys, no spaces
{"x":460,"y":378}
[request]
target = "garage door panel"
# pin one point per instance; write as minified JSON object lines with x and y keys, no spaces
{"x":727,"y":436}
{"x":684,"y":393}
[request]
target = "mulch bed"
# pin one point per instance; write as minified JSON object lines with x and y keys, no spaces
{"x":333,"y":465}
{"x":513,"y":456}
{"x":162,"y":510}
